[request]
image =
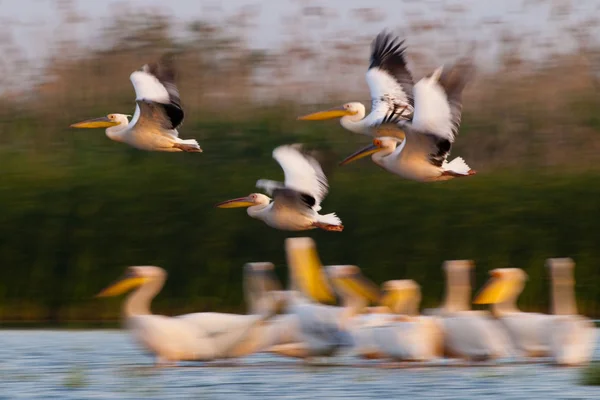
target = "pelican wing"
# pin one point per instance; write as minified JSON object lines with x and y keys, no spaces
{"x":290,"y":198}
{"x":390,"y":82}
{"x":438,"y":101}
{"x":303,"y":175}
{"x":155,"y":83}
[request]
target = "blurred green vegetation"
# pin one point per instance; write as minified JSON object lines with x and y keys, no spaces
{"x":78,"y":208}
{"x":73,"y":220}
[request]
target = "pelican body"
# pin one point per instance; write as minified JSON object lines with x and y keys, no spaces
{"x":158,"y":113}
{"x":196,"y":336}
{"x":418,"y":150}
{"x":296,"y":203}
{"x":468,"y":334}
{"x":568,"y":338}
{"x":390,"y":85}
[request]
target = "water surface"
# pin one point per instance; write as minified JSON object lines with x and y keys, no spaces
{"x":43,"y":364}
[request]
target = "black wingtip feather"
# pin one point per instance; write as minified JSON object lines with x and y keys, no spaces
{"x":387,"y":51}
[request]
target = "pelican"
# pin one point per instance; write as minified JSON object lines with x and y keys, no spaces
{"x":418,"y":150}
{"x":296,"y":203}
{"x":530,"y":332}
{"x":390,"y":84}
{"x":573,"y":336}
{"x":198,"y":336}
{"x":394,"y":331}
{"x":408,"y":336}
{"x":468,"y":334}
{"x":282,"y":334}
{"x":568,"y":338}
{"x":157,"y":116}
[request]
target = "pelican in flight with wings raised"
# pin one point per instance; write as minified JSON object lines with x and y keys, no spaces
{"x":297,"y":202}
{"x":418,"y":150}
{"x":390,"y":83}
{"x":158,"y":113}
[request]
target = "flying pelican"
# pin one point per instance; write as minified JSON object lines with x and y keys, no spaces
{"x":567,"y":338}
{"x":573,"y":336}
{"x":157,"y":116}
{"x":198,"y":336}
{"x":468,"y":334}
{"x":417,"y":150}
{"x":296,"y":203}
{"x":390,"y":83}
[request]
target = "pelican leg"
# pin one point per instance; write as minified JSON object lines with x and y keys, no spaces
{"x":328,"y":227}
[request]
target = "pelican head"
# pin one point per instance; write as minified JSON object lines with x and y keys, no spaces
{"x":398,"y":295}
{"x":504,"y":283}
{"x":386,"y":145}
{"x":353,"y":109}
{"x":103,"y":122}
{"x":133,"y":277}
{"x":254,"y":199}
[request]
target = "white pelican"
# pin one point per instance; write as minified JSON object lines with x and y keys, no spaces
{"x":468,"y":334}
{"x":296,"y":203}
{"x":321,"y":328}
{"x":157,"y":115}
{"x":418,"y":150}
{"x":197,"y":336}
{"x":261,"y":286}
{"x":390,"y":84}
{"x":568,"y":338}
{"x":385,"y":333}
{"x":530,"y":332}
{"x":573,"y":336}
{"x":408,"y":336}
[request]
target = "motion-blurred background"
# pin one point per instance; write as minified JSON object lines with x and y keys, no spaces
{"x":76,"y":208}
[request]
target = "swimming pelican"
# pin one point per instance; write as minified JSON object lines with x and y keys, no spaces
{"x":390,"y":83}
{"x":158,"y":113}
{"x":530,"y":332}
{"x":262,"y":287}
{"x":296,"y":203}
{"x":568,"y":338}
{"x":468,"y":334}
{"x":573,"y":336}
{"x":397,"y":332}
{"x":418,"y":150}
{"x":408,"y":336}
{"x":197,"y":336}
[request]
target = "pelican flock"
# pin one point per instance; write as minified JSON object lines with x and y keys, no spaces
{"x":329,"y":310}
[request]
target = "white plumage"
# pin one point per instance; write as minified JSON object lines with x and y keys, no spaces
{"x":390,"y":86}
{"x":158,"y":114}
{"x":297,"y":201}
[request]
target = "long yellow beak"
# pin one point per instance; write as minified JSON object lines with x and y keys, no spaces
{"x":122,"y":285}
{"x":102,"y":122}
{"x":394,"y":299}
{"x":335,"y":112}
{"x":236,"y":203}
{"x":370,"y":149}
{"x":307,"y":270}
{"x":358,"y":285}
{"x":496,"y":290}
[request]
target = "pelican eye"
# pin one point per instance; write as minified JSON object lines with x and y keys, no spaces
{"x":377,"y":142}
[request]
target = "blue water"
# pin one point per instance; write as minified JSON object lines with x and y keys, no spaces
{"x":47,"y":364}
